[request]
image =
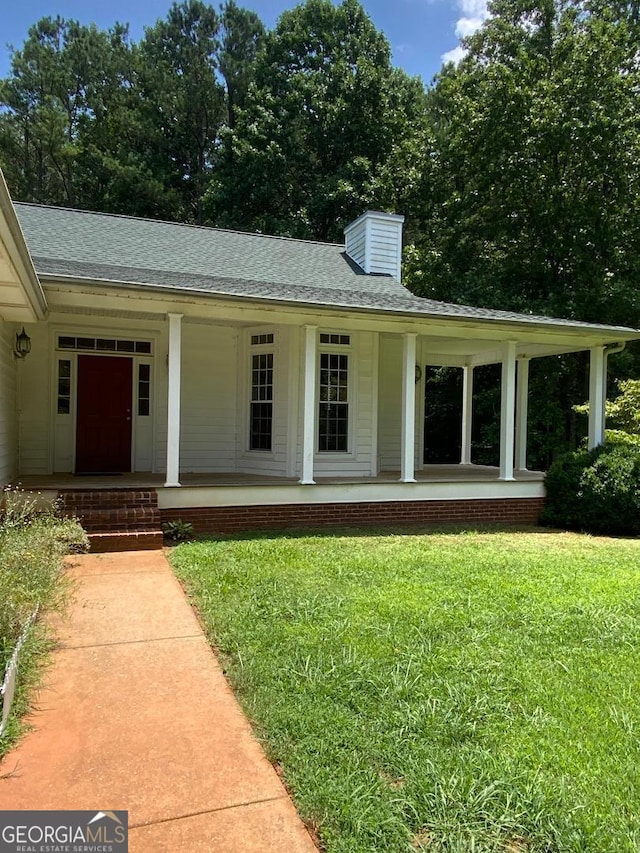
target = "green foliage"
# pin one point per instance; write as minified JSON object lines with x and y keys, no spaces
{"x":624,"y":411}
{"x":448,"y":692}
{"x":33,"y":539}
{"x":178,"y":530}
{"x":619,"y":436}
{"x":534,"y":205}
{"x":33,"y":542}
{"x":597,"y":491}
{"x":327,"y":129}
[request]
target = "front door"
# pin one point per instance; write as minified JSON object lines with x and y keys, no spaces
{"x":103,"y":432}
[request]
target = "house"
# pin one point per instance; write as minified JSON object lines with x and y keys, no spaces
{"x":239,"y":380}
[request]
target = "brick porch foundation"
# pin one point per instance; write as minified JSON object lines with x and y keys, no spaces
{"x":235,"y":519}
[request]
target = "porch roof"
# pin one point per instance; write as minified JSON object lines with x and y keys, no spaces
{"x":121,"y":250}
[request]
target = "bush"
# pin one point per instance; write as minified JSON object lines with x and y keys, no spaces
{"x":619,"y":436}
{"x":597,"y":491}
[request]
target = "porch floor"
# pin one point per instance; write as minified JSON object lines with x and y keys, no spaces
{"x":428,"y":474}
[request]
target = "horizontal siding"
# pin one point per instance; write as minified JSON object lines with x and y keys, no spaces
{"x":390,"y":437}
{"x":355,"y":245}
{"x":35,"y":404}
{"x":208,"y":424}
{"x":8,"y":415}
{"x":384,"y":247}
{"x":390,"y":420}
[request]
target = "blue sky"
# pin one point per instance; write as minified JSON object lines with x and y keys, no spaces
{"x":420,"y":32}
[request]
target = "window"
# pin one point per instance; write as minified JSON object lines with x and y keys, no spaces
{"x":266,"y":338}
{"x":330,"y":338}
{"x":144,"y":389}
{"x":64,"y":387}
{"x":261,"y":407}
{"x":103,"y":344}
{"x":334,"y":402}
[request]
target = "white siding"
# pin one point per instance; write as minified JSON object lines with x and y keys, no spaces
{"x":374,"y":242}
{"x":209,"y":390}
{"x":390,"y":405}
{"x":35,"y":404}
{"x":390,"y":385}
{"x":8,"y":415}
{"x":384,"y":247}
{"x":355,"y":244}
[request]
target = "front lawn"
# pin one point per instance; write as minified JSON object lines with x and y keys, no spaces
{"x":465,"y":691}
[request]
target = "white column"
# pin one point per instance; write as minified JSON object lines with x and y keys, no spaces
{"x":467,"y":414}
{"x":597,"y":396}
{"x":507,"y":410}
{"x":522,"y":411}
{"x":309,"y":404}
{"x":407,"y":462}
{"x":173,"y":400}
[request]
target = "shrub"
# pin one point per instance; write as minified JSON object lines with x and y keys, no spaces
{"x":619,"y":436}
{"x":597,"y":491}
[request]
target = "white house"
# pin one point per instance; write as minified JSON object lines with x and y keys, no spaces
{"x":240,"y":380}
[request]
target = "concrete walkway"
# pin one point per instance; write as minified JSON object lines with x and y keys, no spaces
{"x":136,"y":714}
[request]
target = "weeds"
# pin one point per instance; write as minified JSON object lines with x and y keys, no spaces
{"x":33,"y":542}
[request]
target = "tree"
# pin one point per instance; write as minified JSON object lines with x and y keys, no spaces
{"x":315,"y":142}
{"x":182,"y":101}
{"x":49,"y":99}
{"x":533,"y":198}
{"x":241,"y":41}
{"x":534,"y":205}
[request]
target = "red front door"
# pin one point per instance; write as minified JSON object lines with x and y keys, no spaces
{"x":103,"y":432}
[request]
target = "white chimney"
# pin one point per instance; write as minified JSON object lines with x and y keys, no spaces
{"x":374,"y":242}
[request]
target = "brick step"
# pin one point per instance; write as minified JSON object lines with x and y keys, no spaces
{"x":142,"y":540}
{"x":76,"y":499}
{"x":116,"y":519}
{"x":121,"y":518}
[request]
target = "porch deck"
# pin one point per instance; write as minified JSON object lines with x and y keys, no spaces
{"x":453,"y":474}
{"x":232,"y":502}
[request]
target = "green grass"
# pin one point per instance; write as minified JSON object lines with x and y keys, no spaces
{"x":464,"y":691}
{"x":32,"y":546}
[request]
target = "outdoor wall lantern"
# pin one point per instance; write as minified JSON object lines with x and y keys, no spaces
{"x":23,"y":344}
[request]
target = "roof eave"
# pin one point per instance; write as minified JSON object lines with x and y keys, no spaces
{"x":13,"y":237}
{"x":609,"y":334}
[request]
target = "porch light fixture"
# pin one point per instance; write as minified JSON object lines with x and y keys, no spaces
{"x":23,"y":344}
{"x":418,"y":373}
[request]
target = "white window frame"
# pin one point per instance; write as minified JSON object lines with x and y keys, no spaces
{"x":336,"y":349}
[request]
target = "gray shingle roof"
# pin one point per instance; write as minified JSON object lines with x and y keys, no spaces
{"x":109,"y":248}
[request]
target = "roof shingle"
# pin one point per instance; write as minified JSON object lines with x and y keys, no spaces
{"x":143,"y":252}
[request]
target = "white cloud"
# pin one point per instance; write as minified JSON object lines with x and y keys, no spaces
{"x":467,"y":26}
{"x":454,"y":55}
{"x":474,"y":14}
